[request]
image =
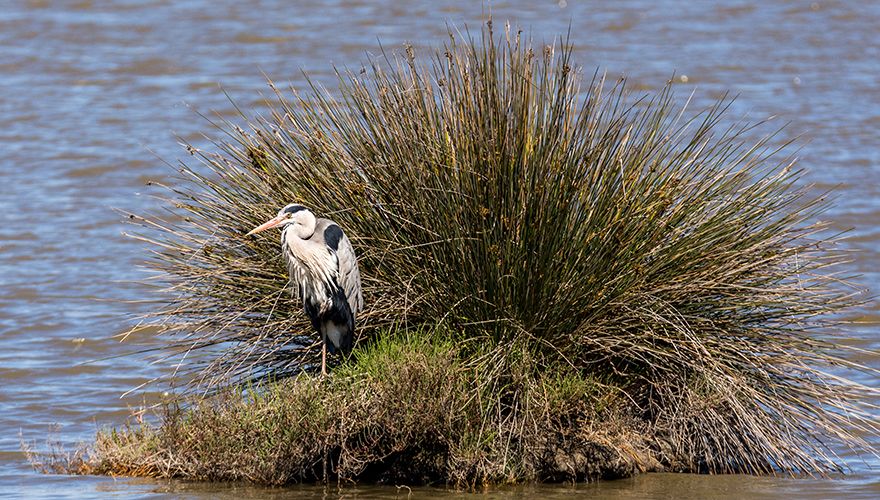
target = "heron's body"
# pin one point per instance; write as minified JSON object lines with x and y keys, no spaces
{"x":323,"y":266}
{"x":326,"y":273}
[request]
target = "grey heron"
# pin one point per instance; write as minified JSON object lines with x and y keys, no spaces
{"x":322,"y":264}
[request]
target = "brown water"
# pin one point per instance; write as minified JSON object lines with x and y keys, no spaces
{"x":87,"y":89}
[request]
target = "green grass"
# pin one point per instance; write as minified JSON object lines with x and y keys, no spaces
{"x":600,"y":258}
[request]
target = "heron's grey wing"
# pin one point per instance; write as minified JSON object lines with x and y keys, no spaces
{"x":349,"y":277}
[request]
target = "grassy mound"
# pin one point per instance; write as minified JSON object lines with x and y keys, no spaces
{"x":596,"y":236}
{"x":411,"y":408}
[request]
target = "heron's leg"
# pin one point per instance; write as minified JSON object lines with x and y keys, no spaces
{"x":323,"y":359}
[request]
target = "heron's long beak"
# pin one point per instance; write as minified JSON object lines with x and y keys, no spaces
{"x":267,"y":225}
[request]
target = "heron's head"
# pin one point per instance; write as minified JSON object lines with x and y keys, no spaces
{"x":291,"y":214}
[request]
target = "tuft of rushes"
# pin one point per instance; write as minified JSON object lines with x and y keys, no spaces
{"x":491,"y":190}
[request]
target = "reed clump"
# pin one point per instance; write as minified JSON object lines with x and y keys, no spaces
{"x":667,"y":259}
